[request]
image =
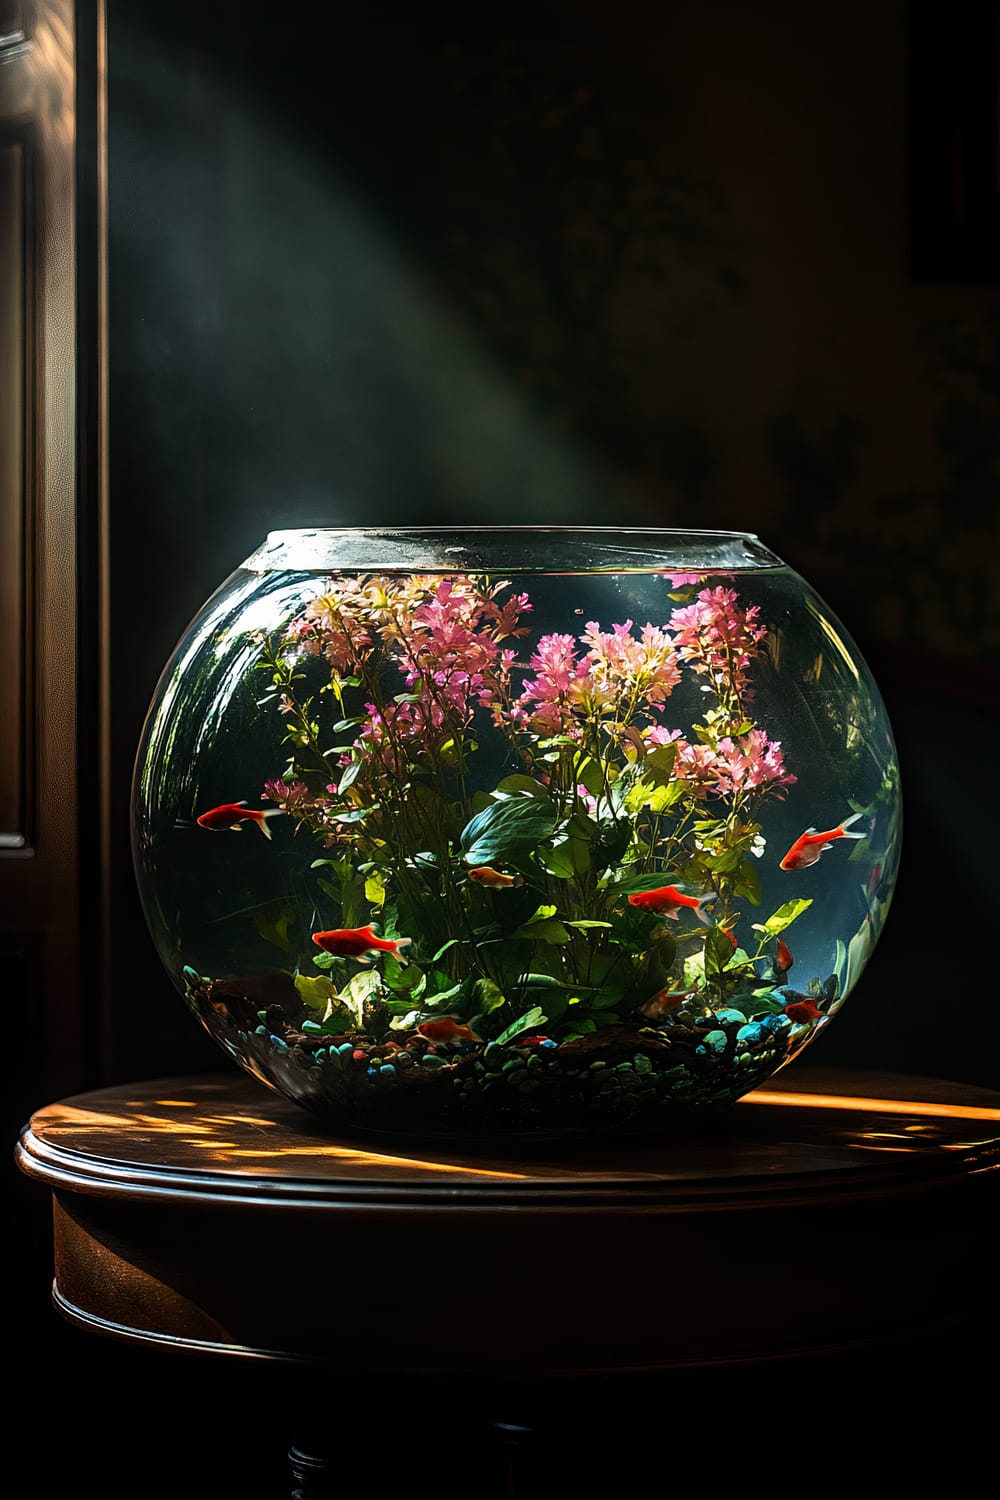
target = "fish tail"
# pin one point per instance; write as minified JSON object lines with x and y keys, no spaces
{"x":847,"y":823}
{"x":704,"y":901}
{"x":261,"y":821}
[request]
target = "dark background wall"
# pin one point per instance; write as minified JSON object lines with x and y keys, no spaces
{"x":724,"y":266}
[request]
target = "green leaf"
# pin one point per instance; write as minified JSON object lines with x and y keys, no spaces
{"x":585,"y":924}
{"x":506,"y":828}
{"x":486,"y":997}
{"x":359,"y":989}
{"x":528,"y":1022}
{"x":590,"y":773}
{"x":565,"y":858}
{"x":718,"y":951}
{"x":399,"y":978}
{"x":349,"y":775}
{"x":746,"y":883}
{"x":316,"y":993}
{"x":658,"y":798}
{"x":658,"y":765}
{"x":546,"y":930}
{"x":519,"y":783}
{"x":275,"y":929}
{"x":784,"y":916}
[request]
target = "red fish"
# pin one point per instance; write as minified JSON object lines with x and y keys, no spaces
{"x":447,"y":1029}
{"x":667,"y":901}
{"x":783,"y":962}
{"x":232,"y":814}
{"x":804,"y":1009}
{"x":495,"y":879}
{"x":663,"y":1002}
{"x":810,"y":845}
{"x":355,"y":942}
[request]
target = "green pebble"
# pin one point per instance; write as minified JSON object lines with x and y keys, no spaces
{"x":595,"y":1067}
{"x":431,"y":1060}
{"x":516,"y":1065}
{"x":641,"y":1063}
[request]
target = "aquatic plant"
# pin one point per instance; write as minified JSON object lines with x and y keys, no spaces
{"x":555,"y":855}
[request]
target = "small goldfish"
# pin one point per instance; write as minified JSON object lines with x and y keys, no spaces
{"x":667,"y":900}
{"x":810,"y":845}
{"x":232,"y":814}
{"x":802,"y":1009}
{"x":663,"y":1002}
{"x":783,"y":959}
{"x":495,"y":879}
{"x":447,"y":1029}
{"x":355,"y":942}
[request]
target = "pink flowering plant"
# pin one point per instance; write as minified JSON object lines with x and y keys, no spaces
{"x":497,"y":803}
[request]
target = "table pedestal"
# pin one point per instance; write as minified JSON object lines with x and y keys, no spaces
{"x":830,"y":1214}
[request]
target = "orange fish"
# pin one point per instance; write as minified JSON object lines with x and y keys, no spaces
{"x":232,"y":814}
{"x":495,"y":879}
{"x":447,"y":1029}
{"x":804,"y":1009}
{"x":355,"y":942}
{"x":810,"y":845}
{"x":783,"y":962}
{"x":667,"y":901}
{"x":663,"y":1002}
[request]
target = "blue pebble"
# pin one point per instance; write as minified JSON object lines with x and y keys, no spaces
{"x":714,"y":1041}
{"x":278,"y":1044}
{"x":753,"y":1031}
{"x":775,"y":1023}
{"x":548,"y":1042}
{"x":730,"y":1015}
{"x":346,"y":1049}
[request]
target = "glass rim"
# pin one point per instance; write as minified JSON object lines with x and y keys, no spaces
{"x":450,"y":548}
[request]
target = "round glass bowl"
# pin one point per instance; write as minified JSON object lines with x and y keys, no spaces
{"x":504,"y":832}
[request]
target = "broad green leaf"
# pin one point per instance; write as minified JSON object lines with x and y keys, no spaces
{"x":547,"y":930}
{"x":658,"y":764}
{"x":374,"y":890}
{"x":784,"y":916}
{"x":746,"y":883}
{"x":486,"y":997}
{"x":590,"y":773}
{"x":718,"y":951}
{"x":399,"y":978}
{"x":585,"y":924}
{"x":519,"y":783}
{"x":316,"y":993}
{"x":506,"y":828}
{"x":565,"y":858}
{"x":275,"y":929}
{"x":528,"y":1022}
{"x":359,"y":989}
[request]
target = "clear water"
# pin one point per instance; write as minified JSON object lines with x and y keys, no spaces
{"x":538,"y":998}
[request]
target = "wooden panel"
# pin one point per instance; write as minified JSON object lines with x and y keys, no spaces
{"x":15,"y":623}
{"x":39,"y":845}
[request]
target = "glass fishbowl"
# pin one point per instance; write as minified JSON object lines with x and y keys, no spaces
{"x":515,"y":831}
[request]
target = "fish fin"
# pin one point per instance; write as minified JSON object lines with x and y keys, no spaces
{"x":810,"y":830}
{"x":262,"y":821}
{"x":704,"y":901}
{"x":399,"y":941}
{"x":847,"y":823}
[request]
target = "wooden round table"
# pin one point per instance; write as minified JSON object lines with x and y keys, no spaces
{"x":829,"y":1212}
